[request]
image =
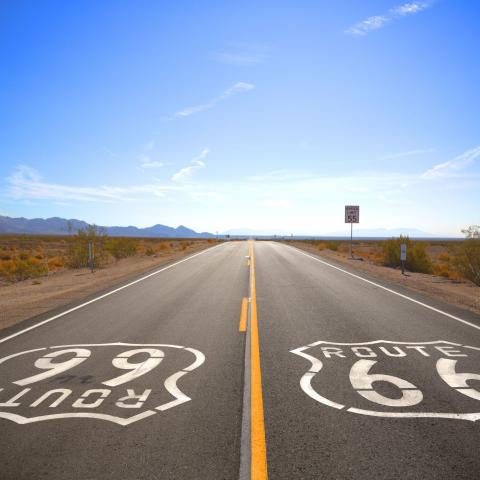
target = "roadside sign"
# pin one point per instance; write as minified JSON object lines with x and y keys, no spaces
{"x":403,"y":252}
{"x":352,"y":214}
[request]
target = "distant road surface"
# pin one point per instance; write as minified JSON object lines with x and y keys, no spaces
{"x":246,"y":360}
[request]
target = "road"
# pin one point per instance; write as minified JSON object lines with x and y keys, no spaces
{"x":337,"y":376}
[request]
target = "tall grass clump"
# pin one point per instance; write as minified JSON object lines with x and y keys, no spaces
{"x":417,"y":257}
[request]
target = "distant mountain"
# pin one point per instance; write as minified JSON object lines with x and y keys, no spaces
{"x":59,"y":226}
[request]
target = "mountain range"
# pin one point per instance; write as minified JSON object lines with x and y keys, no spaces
{"x":60,"y":226}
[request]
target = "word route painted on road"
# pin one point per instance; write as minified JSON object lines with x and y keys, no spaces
{"x":395,"y":379}
{"x":117,"y":382}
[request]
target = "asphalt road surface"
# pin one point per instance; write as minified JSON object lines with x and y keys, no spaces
{"x":335,"y":376}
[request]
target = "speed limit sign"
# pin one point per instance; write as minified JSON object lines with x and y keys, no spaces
{"x":352,"y":214}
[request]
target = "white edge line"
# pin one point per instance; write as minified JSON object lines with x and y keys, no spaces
{"x":390,"y":290}
{"x":48,"y":320}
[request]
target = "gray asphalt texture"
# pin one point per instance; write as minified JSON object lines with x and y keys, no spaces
{"x":196,"y":304}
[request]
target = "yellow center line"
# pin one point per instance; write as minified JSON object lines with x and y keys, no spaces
{"x":258,"y":443}
{"x":243,"y":315}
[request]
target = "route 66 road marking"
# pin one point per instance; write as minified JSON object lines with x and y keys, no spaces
{"x":366,"y":377}
{"x":123,"y":398}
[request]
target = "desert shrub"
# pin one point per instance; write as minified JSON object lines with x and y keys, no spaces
{"x":444,"y":257}
{"x":56,"y":262}
{"x":442,"y":270}
{"x":321,"y":246}
{"x":466,"y":259}
{"x":332,"y":245}
{"x":20,"y":269}
{"x":417,"y":257}
{"x":149,"y":251}
{"x":77,"y":253}
{"x":121,"y":247}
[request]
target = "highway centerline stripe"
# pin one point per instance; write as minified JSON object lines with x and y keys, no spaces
{"x":48,"y":320}
{"x":243,"y":315}
{"x":258,"y":443}
{"x":406,"y":297}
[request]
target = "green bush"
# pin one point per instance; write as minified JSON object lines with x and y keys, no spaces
{"x":417,"y":258}
{"x":77,"y":254}
{"x":466,"y":259}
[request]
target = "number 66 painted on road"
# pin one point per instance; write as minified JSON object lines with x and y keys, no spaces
{"x":81,"y":354}
{"x":362,"y":381}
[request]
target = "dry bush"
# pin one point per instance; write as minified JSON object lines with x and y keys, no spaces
{"x":164,"y":246}
{"x":321,"y":246}
{"x":332,"y":245}
{"x":56,"y":263}
{"x":121,"y":247}
{"x":149,"y":251}
{"x":22,"y":268}
{"x":443,"y":257}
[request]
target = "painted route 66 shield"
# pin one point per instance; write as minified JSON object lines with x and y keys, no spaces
{"x":117,"y":382}
{"x":394,"y":379}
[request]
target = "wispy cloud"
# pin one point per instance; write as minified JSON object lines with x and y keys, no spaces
{"x":146,"y":159}
{"x":409,"y":153}
{"x":239,"y":87}
{"x":109,"y":152}
{"x":147,"y":162}
{"x":185,"y":174}
{"x":378,"y":21}
{"x":27,"y":183}
{"x":242,"y":55}
{"x":452,"y":168}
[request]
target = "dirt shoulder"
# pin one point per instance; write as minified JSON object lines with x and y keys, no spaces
{"x":22,"y":300}
{"x":462,"y":294}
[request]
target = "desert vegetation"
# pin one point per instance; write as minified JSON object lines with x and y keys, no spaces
{"x":25,"y":257}
{"x":457,"y":260}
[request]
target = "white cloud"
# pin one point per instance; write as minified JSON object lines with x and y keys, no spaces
{"x":239,"y":87}
{"x":453,"y":167}
{"x":26,"y":183}
{"x":242,"y":55}
{"x":409,"y":153}
{"x":378,"y":21}
{"x":186,"y":173}
{"x":147,"y":162}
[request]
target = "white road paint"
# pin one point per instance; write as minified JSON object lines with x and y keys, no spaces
{"x":362,"y":380}
{"x":94,"y":397}
{"x":406,"y":297}
{"x":53,"y":369}
{"x":66,"y":312}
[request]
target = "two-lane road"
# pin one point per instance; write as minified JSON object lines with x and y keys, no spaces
{"x":149,"y":381}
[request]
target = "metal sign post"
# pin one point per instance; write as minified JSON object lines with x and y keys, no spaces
{"x":352,"y":215}
{"x":403,"y":256}
{"x":91,"y":255}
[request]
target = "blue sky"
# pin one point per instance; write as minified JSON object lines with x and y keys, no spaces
{"x":226,"y":115}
